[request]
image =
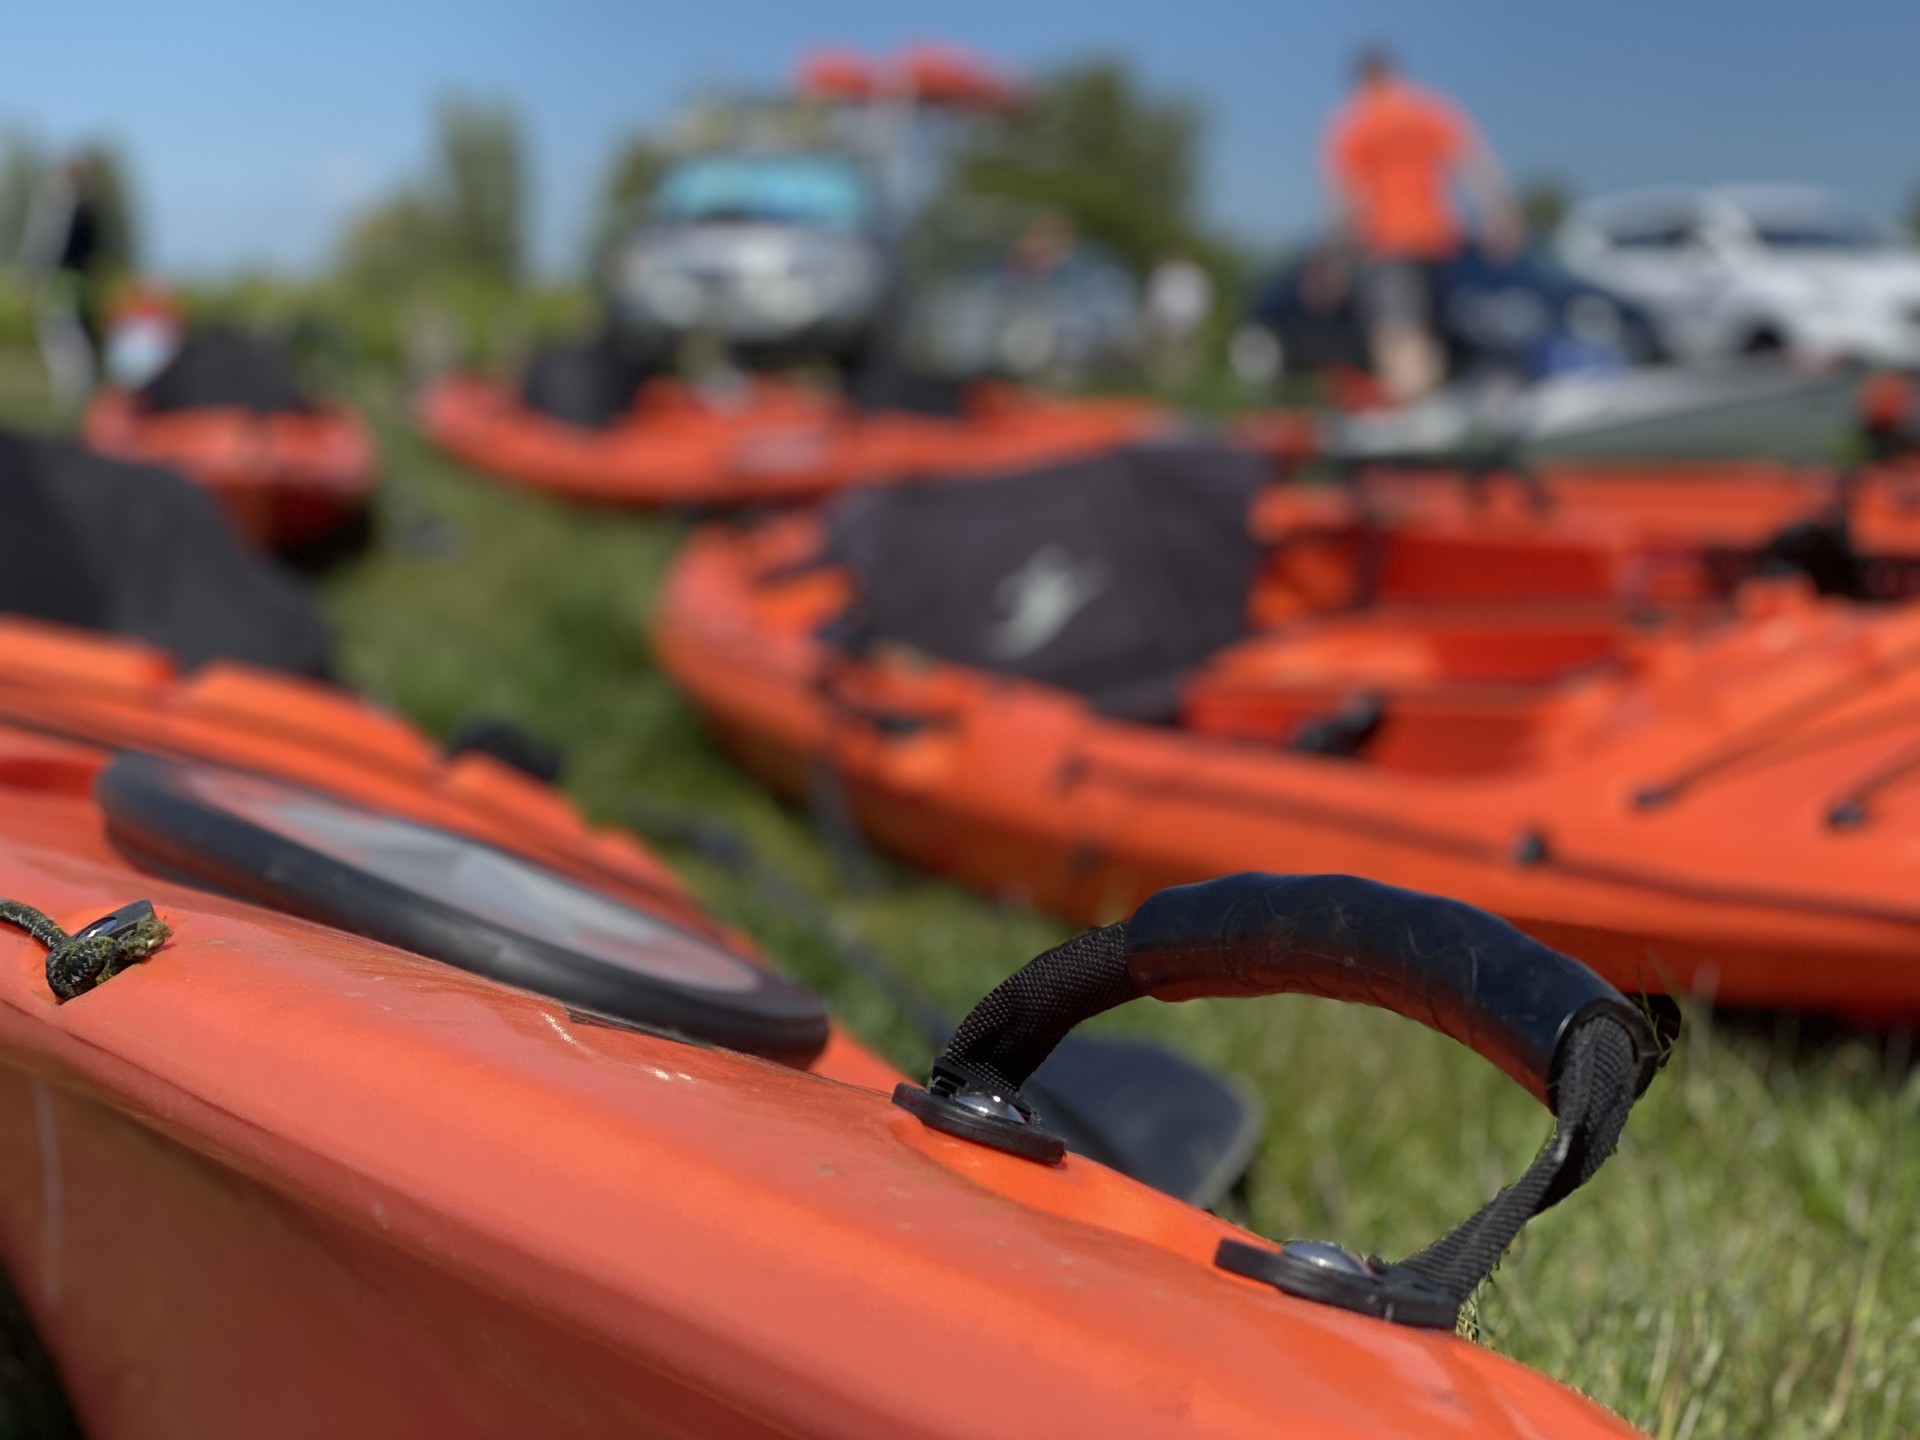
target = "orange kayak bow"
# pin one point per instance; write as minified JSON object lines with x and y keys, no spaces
{"x":276,"y":1178}
{"x":772,"y":442}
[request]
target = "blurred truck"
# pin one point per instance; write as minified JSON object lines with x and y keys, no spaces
{"x":776,"y":254}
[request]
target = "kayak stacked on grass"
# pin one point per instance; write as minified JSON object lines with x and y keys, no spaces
{"x":1759,"y":412}
{"x":288,"y":469}
{"x":1077,"y":686}
{"x":116,"y":695}
{"x":1744,"y":410}
{"x":1855,"y":533}
{"x":349,"y":1089}
{"x":588,"y":429}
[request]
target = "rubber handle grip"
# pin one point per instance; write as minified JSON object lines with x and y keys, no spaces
{"x":1450,"y":966}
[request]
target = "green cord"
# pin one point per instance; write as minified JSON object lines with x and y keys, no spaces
{"x":75,"y":964}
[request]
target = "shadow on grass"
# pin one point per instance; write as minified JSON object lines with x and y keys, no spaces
{"x":317,"y":558}
{"x":1803,"y":1039}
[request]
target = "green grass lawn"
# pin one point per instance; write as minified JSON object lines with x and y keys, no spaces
{"x":1748,"y":1265}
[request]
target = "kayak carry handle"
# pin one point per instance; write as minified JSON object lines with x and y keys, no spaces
{"x":1449,"y":965}
{"x":1571,"y":1039}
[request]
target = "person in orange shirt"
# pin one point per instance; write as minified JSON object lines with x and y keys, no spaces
{"x":1390,"y":156}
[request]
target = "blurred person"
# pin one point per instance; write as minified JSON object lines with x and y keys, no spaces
{"x":1390,"y":155}
{"x":1036,"y":257}
{"x":1047,"y":243}
{"x":1178,"y":301}
{"x":62,"y":252}
{"x":144,"y":331}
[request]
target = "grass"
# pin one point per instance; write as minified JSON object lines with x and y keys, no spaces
{"x":1749,"y":1264}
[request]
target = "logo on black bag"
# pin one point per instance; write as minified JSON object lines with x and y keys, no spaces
{"x":1040,"y":598}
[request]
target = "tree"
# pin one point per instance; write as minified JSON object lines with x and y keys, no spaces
{"x":1092,"y":145}
{"x":466,"y":215}
{"x":23,"y":167}
{"x":478,"y":189}
{"x":390,"y":245}
{"x":630,"y":179}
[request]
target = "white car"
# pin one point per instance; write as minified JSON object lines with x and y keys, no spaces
{"x":1748,"y":270}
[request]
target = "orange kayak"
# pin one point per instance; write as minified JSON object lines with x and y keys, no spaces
{"x":1717,"y":803}
{"x":770,"y":442}
{"x":272,"y":1154}
{"x":116,"y":694}
{"x":1722,"y":514}
{"x":285,"y":480}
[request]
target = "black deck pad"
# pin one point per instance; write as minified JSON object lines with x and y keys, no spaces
{"x":589,"y":383}
{"x":141,"y":551}
{"x":1110,"y":576}
{"x":221,"y":367}
{"x":881,"y":387}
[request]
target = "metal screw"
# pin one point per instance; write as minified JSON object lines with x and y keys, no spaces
{"x":994,"y":1107}
{"x":1326,"y":1255}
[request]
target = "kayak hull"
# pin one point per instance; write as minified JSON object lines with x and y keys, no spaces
{"x":280,"y":1180}
{"x":1025,"y":792}
{"x":285,"y":480}
{"x":1711,"y":519}
{"x":1739,"y":412}
{"x":774,"y":443}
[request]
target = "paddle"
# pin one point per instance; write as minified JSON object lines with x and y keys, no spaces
{"x":1138,"y":1107}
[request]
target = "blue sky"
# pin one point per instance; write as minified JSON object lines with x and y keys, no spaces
{"x":255,"y":128}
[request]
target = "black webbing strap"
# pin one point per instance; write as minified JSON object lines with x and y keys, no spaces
{"x":1006,"y":1036}
{"x":1596,"y":1090}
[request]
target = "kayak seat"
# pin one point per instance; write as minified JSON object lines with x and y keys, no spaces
{"x":1430,"y":696}
{"x":1345,"y":732}
{"x":1313,"y":569}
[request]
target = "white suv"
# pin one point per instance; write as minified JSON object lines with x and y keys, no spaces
{"x":1753,"y":269}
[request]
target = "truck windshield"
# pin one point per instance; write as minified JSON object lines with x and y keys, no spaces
{"x":825,"y":190}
